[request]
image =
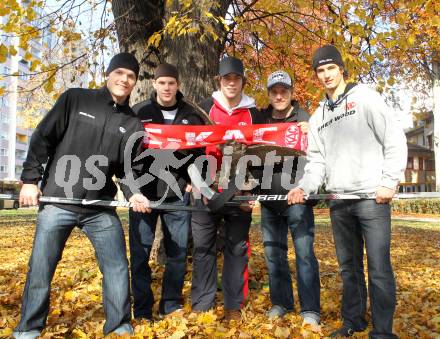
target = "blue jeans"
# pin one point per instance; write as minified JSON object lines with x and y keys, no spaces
{"x":355,"y":223}
{"x":54,"y":226}
{"x":175,"y":226}
{"x":300,"y":221}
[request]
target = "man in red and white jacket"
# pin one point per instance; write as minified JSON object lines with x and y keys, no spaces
{"x":227,"y":106}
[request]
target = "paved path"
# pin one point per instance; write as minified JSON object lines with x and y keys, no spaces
{"x":421,"y":219}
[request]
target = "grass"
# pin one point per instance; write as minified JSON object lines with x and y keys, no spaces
{"x":76,"y":289}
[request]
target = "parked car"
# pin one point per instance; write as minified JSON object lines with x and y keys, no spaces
{"x":10,"y":187}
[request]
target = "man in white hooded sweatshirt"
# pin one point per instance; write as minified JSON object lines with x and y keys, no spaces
{"x":356,"y":146}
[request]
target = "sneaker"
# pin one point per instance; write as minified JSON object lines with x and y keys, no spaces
{"x":343,"y":332}
{"x":310,"y":324}
{"x":26,"y":335}
{"x":310,"y":321}
{"x":232,"y":315}
{"x":122,"y":329}
{"x":276,"y":311}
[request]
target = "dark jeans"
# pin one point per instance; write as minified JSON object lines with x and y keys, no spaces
{"x":275,"y":226}
{"x":54,"y":226}
{"x":236,"y":256}
{"x":355,"y":222}
{"x":175,"y":225}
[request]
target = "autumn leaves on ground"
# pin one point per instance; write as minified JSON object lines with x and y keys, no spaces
{"x":76,"y":309}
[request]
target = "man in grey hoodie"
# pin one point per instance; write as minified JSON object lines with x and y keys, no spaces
{"x":356,"y":146}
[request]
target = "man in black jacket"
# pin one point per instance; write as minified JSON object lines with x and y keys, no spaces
{"x":277,"y":218}
{"x":166,"y":106}
{"x":82,"y":141}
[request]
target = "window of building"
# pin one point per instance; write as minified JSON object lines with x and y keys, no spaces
{"x":19,"y":154}
{"x":428,"y":123}
{"x":3,"y":169}
{"x":3,"y":151}
{"x":35,"y":51}
{"x":410,"y":164}
{"x":24,"y":76}
{"x":4,"y":117}
{"x":4,"y":102}
{"x":429,"y":165}
{"x":416,"y":163}
{"x":429,"y":140}
{"x":421,"y":163}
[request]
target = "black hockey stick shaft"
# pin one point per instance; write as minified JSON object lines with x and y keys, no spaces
{"x":113,"y":203}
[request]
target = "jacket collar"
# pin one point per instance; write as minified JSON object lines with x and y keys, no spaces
{"x":295,"y":105}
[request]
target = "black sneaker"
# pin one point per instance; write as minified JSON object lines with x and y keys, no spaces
{"x":343,"y":332}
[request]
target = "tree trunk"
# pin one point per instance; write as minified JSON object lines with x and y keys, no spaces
{"x":436,"y":111}
{"x":196,"y":59}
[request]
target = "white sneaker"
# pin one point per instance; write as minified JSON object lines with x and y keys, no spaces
{"x":26,"y":335}
{"x":310,"y":320}
{"x":125,"y":328}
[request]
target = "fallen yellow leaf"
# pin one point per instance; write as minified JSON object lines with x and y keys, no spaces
{"x":206,"y":318}
{"x":69,"y":295}
{"x":78,"y":334}
{"x":282,"y":332}
{"x":177,"y":335}
{"x":6,"y":332}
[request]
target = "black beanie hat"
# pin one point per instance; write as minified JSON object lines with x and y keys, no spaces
{"x":230,"y":65}
{"x":123,"y":60}
{"x":327,"y":54}
{"x":166,"y":70}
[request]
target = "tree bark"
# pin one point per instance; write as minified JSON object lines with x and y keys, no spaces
{"x":136,"y":21}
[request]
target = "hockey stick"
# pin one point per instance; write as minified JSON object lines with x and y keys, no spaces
{"x":112,"y":203}
{"x":204,"y":115}
{"x":337,"y":196}
{"x":216,"y":201}
{"x":213,"y":196}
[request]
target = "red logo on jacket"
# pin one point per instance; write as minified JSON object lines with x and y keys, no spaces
{"x":350,"y":106}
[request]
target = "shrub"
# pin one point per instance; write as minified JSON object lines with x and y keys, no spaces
{"x":427,"y":206}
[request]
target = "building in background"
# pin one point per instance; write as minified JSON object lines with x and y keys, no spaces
{"x":20,"y":107}
{"x":14,"y":134}
{"x":420,"y":169}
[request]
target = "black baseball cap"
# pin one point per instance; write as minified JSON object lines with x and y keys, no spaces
{"x":231,"y":65}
